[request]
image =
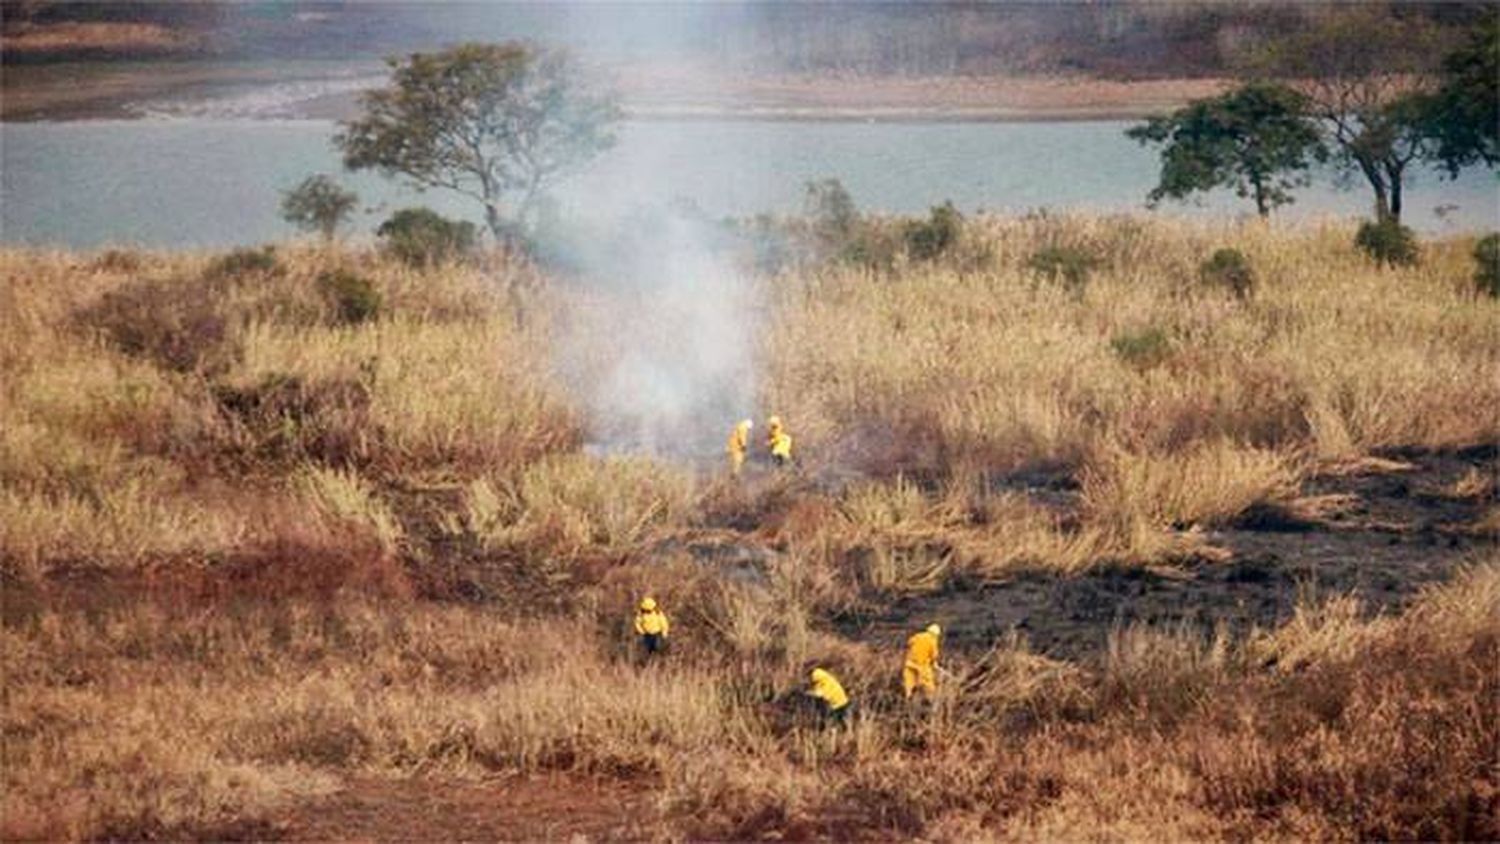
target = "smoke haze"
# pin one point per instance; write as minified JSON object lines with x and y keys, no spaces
{"x":663,"y":347}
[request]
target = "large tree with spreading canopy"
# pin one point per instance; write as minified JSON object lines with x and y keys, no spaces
{"x":1366,"y":74}
{"x":499,"y":123}
{"x":1258,"y":140}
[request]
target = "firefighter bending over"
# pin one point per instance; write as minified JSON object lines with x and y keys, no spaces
{"x":920,"y":668}
{"x":826,"y":687}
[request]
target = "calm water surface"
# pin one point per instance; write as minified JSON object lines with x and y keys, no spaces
{"x":197,"y":182}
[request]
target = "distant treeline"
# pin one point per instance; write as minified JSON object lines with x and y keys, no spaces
{"x":1115,"y":39}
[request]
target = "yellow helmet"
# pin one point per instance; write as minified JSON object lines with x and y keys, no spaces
{"x":934,"y":630}
{"x":648,"y":605}
{"x":818,"y":674}
{"x":773,"y":422}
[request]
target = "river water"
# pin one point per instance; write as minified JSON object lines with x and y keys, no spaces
{"x":198,"y":182}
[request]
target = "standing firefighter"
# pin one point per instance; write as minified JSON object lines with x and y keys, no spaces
{"x":778,"y":441}
{"x":651,"y":625}
{"x":826,"y":687}
{"x":738,"y":445}
{"x":920,"y":669}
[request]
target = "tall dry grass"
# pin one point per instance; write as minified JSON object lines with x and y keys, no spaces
{"x":166,"y":721}
{"x":999,"y":368}
{"x":268,"y":500}
{"x":131,"y":384}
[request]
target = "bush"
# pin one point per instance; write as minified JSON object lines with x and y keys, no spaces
{"x":1487,"y":257}
{"x":1388,"y":242}
{"x":1070,"y":263}
{"x":929,"y":239}
{"x":291,"y":418}
{"x":244,"y":262}
{"x":1228,"y":268}
{"x":831,"y":213}
{"x":157,"y":321}
{"x":420,"y":237}
{"x":354,"y":296}
{"x":1142,"y":349}
{"x":116,"y":261}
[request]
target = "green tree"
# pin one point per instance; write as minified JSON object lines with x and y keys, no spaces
{"x":1257,"y":139}
{"x":489,"y":121}
{"x":1464,"y":113}
{"x":1366,"y":74}
{"x":318,"y":204}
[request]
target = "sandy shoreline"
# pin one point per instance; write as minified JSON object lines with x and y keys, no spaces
{"x":329,"y":90}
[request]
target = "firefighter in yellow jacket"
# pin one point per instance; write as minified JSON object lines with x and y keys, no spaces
{"x":920,"y":668}
{"x":830,"y":691}
{"x":738,"y":445}
{"x":778,"y":441}
{"x":651,"y":626}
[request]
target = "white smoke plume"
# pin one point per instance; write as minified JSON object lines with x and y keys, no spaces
{"x":664,"y":350}
{"x":662,"y":346}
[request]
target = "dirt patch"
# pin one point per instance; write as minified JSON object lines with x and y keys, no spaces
{"x":554,"y":808}
{"x":1381,"y":534}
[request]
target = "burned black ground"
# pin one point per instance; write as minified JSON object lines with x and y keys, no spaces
{"x":1390,"y":531}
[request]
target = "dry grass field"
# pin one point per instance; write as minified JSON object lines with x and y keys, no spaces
{"x":261,"y":561}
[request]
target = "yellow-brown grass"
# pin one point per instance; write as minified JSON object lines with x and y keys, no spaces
{"x":270,"y":500}
{"x":152,"y":721}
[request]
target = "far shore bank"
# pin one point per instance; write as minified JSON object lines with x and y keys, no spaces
{"x":330,"y":90}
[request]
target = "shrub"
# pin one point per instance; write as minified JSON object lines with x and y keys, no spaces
{"x":830,"y":211}
{"x":1070,"y":263}
{"x":420,"y":237}
{"x":155,"y":320}
{"x":929,"y":239}
{"x":1230,"y":269}
{"x":875,"y":244}
{"x":1388,"y":242}
{"x":1142,"y":349}
{"x":244,"y":262}
{"x":354,"y":296}
{"x":285,"y":418}
{"x":1487,"y":259}
{"x":117,"y":261}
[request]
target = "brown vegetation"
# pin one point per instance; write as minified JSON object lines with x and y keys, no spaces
{"x":251,"y":553}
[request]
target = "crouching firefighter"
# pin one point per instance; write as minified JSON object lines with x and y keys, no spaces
{"x":827,"y":688}
{"x":651,"y":626}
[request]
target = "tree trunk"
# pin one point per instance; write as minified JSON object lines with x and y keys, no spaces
{"x":1260,"y":196}
{"x":496,"y":223}
{"x":1377,"y":181}
{"x":1394,"y":171}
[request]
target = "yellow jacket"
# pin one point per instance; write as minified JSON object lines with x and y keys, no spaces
{"x":826,"y":687}
{"x":778,"y":440}
{"x":739,"y":439}
{"x":651,"y":623}
{"x":922,"y":651}
{"x":781,"y":445}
